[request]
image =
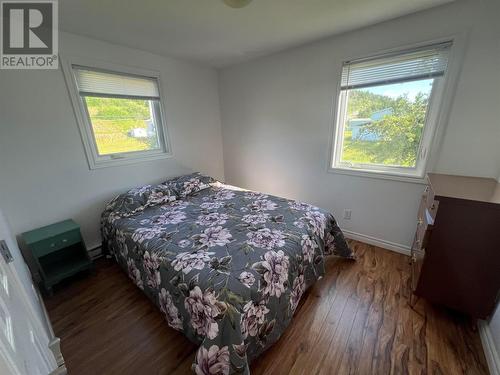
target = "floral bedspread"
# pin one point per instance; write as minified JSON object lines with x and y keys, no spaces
{"x":226,"y":267}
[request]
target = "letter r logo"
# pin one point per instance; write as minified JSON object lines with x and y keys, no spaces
{"x":27,"y":28}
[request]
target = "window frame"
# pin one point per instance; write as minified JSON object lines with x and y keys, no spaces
{"x":440,"y":101}
{"x":94,"y":159}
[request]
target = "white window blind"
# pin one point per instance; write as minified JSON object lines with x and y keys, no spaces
{"x":403,"y":66}
{"x":100,"y":83}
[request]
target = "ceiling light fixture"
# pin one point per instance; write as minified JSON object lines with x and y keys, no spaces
{"x":236,"y":3}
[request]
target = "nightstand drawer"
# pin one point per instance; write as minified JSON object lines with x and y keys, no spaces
{"x":58,"y":242}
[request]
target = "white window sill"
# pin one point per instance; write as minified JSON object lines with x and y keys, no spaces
{"x":127,"y":160}
{"x":383,"y":175}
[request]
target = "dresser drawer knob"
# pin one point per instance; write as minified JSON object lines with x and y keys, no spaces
{"x":52,"y":245}
{"x":64,"y":240}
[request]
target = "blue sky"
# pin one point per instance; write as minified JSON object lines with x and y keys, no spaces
{"x":411,"y":88}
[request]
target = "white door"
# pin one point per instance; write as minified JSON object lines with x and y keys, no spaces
{"x":24,"y":337}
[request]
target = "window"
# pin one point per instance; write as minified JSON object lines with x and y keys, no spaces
{"x":120,"y":116}
{"x":387,"y":111}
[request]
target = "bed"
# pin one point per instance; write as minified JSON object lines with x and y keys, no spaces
{"x":225,"y":266}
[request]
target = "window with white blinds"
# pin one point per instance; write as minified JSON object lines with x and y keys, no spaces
{"x":101,"y":83}
{"x":387,"y":110}
{"x":421,"y":63}
{"x":120,"y":115}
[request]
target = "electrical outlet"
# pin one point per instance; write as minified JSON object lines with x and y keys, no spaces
{"x":347,"y":214}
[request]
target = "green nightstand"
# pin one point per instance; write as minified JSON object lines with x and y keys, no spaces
{"x":58,"y":250}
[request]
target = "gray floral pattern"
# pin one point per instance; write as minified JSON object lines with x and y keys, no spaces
{"x":212,"y":219}
{"x":259,"y":218}
{"x":134,"y":273}
{"x":266,"y":238}
{"x":253,"y":317}
{"x":274,"y":271}
{"x":152,"y":269}
{"x":262,"y":205}
{"x":204,"y":309}
{"x":171,"y":312}
{"x":308,"y":247}
{"x":165,"y":218}
{"x":213,"y":361}
{"x":298,"y":289}
{"x":213,"y":236}
{"x":186,"y":262}
{"x":247,"y":278}
{"x":226,"y":267}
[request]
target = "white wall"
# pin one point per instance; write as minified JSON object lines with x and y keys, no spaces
{"x":490,"y":337}
{"x":44,"y":176}
{"x":494,"y":325}
{"x":277,"y":113}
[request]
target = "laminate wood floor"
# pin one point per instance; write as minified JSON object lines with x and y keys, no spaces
{"x":356,"y":320}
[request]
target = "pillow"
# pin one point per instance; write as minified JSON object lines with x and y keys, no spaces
{"x":138,"y":199}
{"x":158,"y":195}
{"x":189,"y":184}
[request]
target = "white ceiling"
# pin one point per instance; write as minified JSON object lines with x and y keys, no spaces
{"x":210,"y":32}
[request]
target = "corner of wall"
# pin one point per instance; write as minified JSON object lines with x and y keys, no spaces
{"x":219,"y":98}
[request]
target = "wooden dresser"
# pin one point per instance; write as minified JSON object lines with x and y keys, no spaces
{"x":456,"y":250}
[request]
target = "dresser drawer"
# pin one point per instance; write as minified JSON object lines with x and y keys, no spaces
{"x":425,"y":222}
{"x":429,"y":201}
{"x":422,"y":238}
{"x":432,"y":209}
{"x":52,"y":244}
{"x":419,"y":244}
{"x":428,"y":196}
{"x":417,"y":259}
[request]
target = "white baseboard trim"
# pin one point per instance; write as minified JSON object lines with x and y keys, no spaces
{"x":396,"y":247}
{"x":61,"y":370}
{"x":490,"y":351}
{"x":55,"y":347}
